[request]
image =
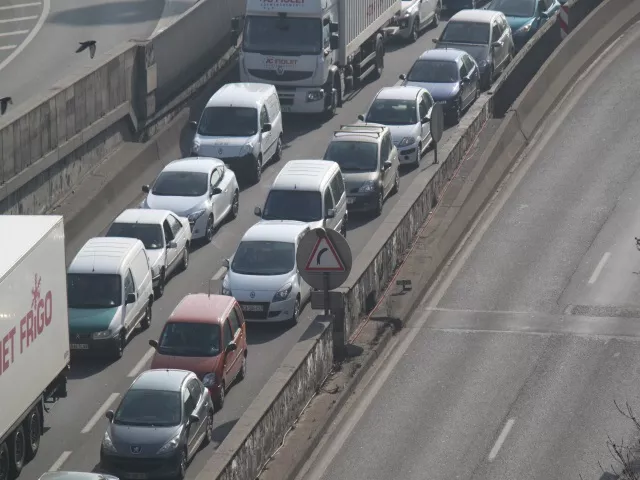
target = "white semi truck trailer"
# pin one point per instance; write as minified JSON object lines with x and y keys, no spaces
{"x":315,"y":52}
{"x":34,"y":332}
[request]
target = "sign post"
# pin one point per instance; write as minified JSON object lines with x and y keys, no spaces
{"x":437,"y":128}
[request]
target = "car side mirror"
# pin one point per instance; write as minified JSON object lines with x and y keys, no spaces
{"x":145,"y":188}
{"x":333,"y":27}
{"x":266,"y":128}
{"x":426,"y":119}
{"x":361,"y":117}
{"x":153,"y":343}
{"x":386,"y":165}
{"x":257,"y":212}
{"x":193,"y":124}
{"x":216,"y":191}
{"x":334,"y":41}
{"x":402,"y":76}
{"x":109,"y":414}
{"x":131,"y":298}
{"x":544,"y":15}
{"x":172,"y":244}
{"x":434,"y":40}
{"x":331,"y":213}
{"x":496,"y":44}
{"x":225,"y":263}
{"x":193,"y":418}
{"x":232,"y":347}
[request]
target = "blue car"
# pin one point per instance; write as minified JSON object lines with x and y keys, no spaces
{"x":451,"y":76}
{"x":525,"y":17}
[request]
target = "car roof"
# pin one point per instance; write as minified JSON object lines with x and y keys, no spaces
{"x":201,"y":308}
{"x":193,"y":164}
{"x":304,"y":174}
{"x":399,"y":92}
{"x":103,"y":255}
{"x":360,"y":132}
{"x":479,"y":16}
{"x":240,"y":95}
{"x":76,"y":476}
{"x":443,"y":54}
{"x":142,"y":215}
{"x":169,"y":380}
{"x":275,"y":231}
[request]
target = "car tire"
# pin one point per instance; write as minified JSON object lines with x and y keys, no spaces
{"x":218,"y":402}
{"x":456,"y":115}
{"x":488,"y":80}
{"x":33,"y":430}
{"x":242,"y":374}
{"x":159,"y":290}
{"x":344,"y":227}
{"x":380,"y":204}
{"x":436,"y":15}
{"x":208,"y":233}
{"x":256,"y":173}
{"x":478,"y":90}
{"x":418,"y":156}
{"x":293,"y":321}
{"x":235,"y":205}
{"x":184,"y":264}
{"x":145,"y":323}
{"x":278,"y":153}
{"x":118,"y":347}
{"x":182,"y":468}
{"x":5,"y":462}
{"x":396,"y":184}
{"x":208,"y":436}
{"x":414,"y":33}
{"x":17,"y":451}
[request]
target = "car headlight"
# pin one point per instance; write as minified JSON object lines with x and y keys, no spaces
{"x":101,"y":335}
{"x":209,"y":380}
{"x":407,"y":141}
{"x":368,"y":186}
{"x":171,"y":445}
{"x":246,"y":149}
{"x":525,"y":28}
{"x":224,"y":289}
{"x":107,"y":444}
{"x":195,"y":147}
{"x":196,"y":215}
{"x":283,"y":293}
{"x":315,"y":95}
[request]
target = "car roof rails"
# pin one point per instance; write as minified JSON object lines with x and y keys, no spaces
{"x":363,"y":129}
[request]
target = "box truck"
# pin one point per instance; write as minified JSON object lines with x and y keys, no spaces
{"x":34,"y":332}
{"x":315,"y":52}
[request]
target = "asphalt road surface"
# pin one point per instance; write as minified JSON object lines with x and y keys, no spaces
{"x":511,"y":365}
{"x":44,"y":52}
{"x":76,"y":424}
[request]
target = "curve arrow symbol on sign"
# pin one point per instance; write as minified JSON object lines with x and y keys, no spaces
{"x":320,"y":255}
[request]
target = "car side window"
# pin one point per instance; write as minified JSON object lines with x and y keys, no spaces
{"x":326,"y":32}
{"x":239,"y":315}
{"x":129,"y":285}
{"x":175,"y":225}
{"x":495,"y":32}
{"x":468,"y":62}
{"x":264,"y":116}
{"x":228,"y":334}
{"x":168,"y":232}
{"x":234,"y":321}
{"x":544,"y":5}
{"x":337,"y":188}
{"x":328,"y":200}
{"x":385,"y":149}
{"x":216,"y":176}
{"x":195,"y":389}
{"x":189,"y":403}
{"x":463,"y":70}
{"x":426,"y":98}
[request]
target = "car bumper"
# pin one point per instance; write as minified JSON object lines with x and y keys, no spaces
{"x":362,"y":202}
{"x":128,"y":468}
{"x":85,"y":344}
{"x":400,"y":28}
{"x":268,"y":312}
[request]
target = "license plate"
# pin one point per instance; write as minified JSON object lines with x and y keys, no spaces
{"x":136,"y":476}
{"x":79,"y":346}
{"x":351,"y":200}
{"x":252,"y":308}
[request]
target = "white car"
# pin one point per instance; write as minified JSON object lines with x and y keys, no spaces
{"x":165,"y":235}
{"x":262,"y":274}
{"x":407,"y":113}
{"x":414,"y":17}
{"x":203,"y":190}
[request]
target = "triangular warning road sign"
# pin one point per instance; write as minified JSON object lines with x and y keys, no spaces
{"x":324,"y":258}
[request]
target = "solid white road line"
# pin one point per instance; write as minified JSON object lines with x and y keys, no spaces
{"x":60,"y":461}
{"x":21,"y":5}
{"x":141,"y":364}
{"x":503,"y":436}
{"x":98,"y":415}
{"x":18,"y":19}
{"x":7,"y":47}
{"x":596,"y":273}
{"x":220,"y":273}
{"x":15,"y":32}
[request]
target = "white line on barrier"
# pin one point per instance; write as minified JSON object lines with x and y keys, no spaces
{"x":15,"y":32}
{"x":101,"y":411}
{"x":503,"y":436}
{"x":8,"y":47}
{"x":20,"y":5}
{"x":220,"y":273}
{"x":140,"y":365}
{"x":596,"y":273}
{"x":18,"y":19}
{"x":60,"y":461}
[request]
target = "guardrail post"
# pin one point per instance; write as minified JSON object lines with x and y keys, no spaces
{"x":337,"y":318}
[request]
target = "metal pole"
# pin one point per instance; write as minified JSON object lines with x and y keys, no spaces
{"x":435,"y":152}
{"x":325,"y":279}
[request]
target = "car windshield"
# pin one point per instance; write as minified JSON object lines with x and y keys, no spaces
{"x":228,"y":122}
{"x":466,"y":32}
{"x":282,"y":35}
{"x":300,"y":205}
{"x":186,"y":339}
{"x":264,"y":258}
{"x":514,"y":8}
{"x":393,"y":112}
{"x":181,"y":184}
{"x":149,"y":408}
{"x":434,"y":71}
{"x":354,"y":156}
{"x":93,"y":290}
{"x":148,"y":233}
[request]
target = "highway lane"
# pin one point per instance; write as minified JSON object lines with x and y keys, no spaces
{"x":49,"y":56}
{"x":18,"y":18}
{"x":92,"y":385}
{"x":511,"y":365}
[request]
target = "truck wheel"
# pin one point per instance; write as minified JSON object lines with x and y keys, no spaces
{"x":377,"y":72}
{"x":5,"y":462}
{"x":17,"y":446}
{"x":32,"y":426}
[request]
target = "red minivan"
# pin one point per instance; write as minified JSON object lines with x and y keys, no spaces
{"x":205,"y":334}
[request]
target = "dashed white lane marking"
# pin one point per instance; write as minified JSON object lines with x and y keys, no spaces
{"x":140,"y":365}
{"x":220,"y":273}
{"x":18,"y":19}
{"x":20,"y":5}
{"x":14,"y":32}
{"x":596,"y":273}
{"x":7,"y":47}
{"x":503,"y":436}
{"x":60,"y":461}
{"x":98,"y":415}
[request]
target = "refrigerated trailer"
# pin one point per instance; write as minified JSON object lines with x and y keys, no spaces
{"x":34,"y":332}
{"x":315,"y":52}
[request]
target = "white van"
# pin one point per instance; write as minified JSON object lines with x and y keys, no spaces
{"x":109,"y":292}
{"x":241,"y":125}
{"x":310,"y":191}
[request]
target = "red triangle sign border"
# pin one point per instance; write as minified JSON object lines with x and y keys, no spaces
{"x":314,"y":252}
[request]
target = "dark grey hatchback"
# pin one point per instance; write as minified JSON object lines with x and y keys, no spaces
{"x":158,"y":427}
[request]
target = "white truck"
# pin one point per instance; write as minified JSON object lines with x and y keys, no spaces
{"x":34,"y":332}
{"x":315,"y":52}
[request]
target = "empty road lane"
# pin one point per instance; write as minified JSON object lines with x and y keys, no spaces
{"x":511,"y":366}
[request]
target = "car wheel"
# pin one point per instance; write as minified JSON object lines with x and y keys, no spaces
{"x":256,"y":174}
{"x":5,"y":462}
{"x":436,"y":15}
{"x":296,"y":313}
{"x":160,"y":288}
{"x":242,"y":374}
{"x":418,"y":155}
{"x":208,"y":233}
{"x":414,"y":34}
{"x":278,"y":153}
{"x":119,"y":346}
{"x":457,"y":112}
{"x":17,"y":447}
{"x":182,"y":468}
{"x":146,"y":321}
{"x":396,"y":183}
{"x":185,"y":258}
{"x":477,"y":94}
{"x":235,"y":205}
{"x":33,"y":429}
{"x":379,"y":204}
{"x":208,"y":437}
{"x":218,"y":403}
{"x":488,"y":80}
{"x":343,"y":228}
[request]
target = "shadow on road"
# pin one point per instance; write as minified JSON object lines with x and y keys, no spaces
{"x":260,"y":333}
{"x":115,"y":13}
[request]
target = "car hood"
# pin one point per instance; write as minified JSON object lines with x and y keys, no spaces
{"x":353,"y":181}
{"x":263,"y":287}
{"x":179,"y":205}
{"x":90,"y":320}
{"x":439,"y":91}
{"x":148,"y":439}
{"x":198,"y":365}
{"x":221,"y":147}
{"x":479,"y":52}
{"x":156,"y":256}
{"x":398,"y":132}
{"x":516,"y":23}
